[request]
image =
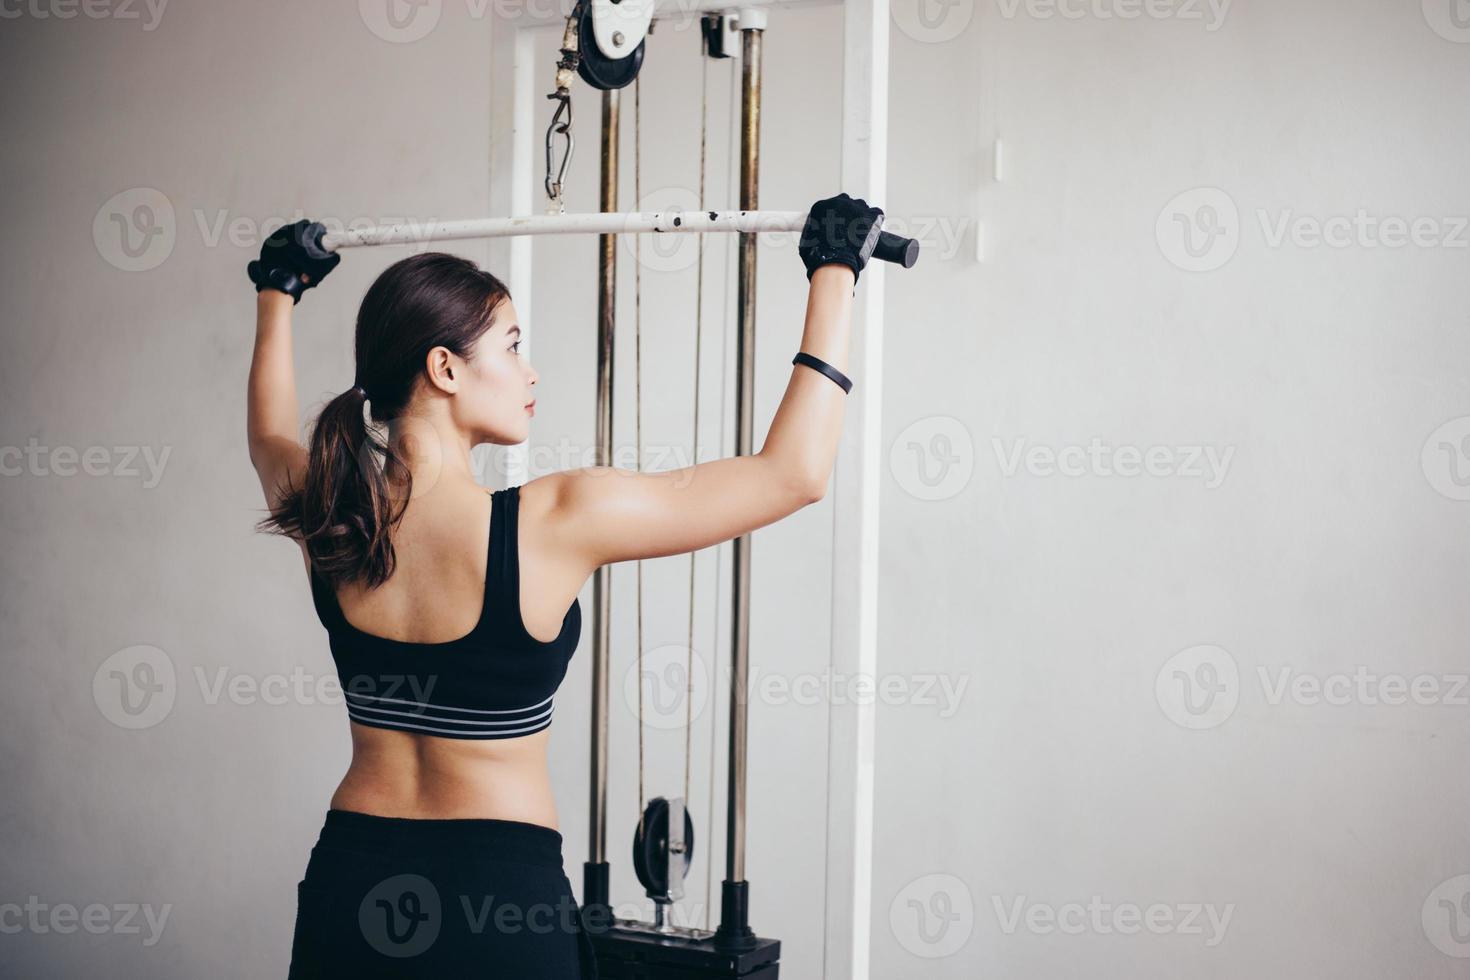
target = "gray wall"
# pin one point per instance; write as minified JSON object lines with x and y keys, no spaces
{"x":1133,"y":702}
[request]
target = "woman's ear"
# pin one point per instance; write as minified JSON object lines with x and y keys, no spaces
{"x":439,"y":367}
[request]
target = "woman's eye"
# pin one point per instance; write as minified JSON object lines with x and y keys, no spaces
{"x":516,"y":346}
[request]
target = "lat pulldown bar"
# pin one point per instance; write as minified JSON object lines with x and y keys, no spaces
{"x":891,"y":247}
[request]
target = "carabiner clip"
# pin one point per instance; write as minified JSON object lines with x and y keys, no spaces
{"x":554,"y":187}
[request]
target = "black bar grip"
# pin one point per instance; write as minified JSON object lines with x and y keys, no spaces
{"x":896,"y":249}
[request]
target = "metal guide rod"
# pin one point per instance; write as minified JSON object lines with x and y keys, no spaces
{"x":413,"y":233}
{"x":607,"y":267}
{"x":734,"y":931}
{"x":750,"y":136}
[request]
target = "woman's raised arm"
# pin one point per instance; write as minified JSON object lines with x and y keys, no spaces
{"x":291,"y":262}
{"x":607,"y":515}
{"x":272,"y":424}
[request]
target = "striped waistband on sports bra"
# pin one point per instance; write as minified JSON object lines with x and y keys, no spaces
{"x":438,"y":719}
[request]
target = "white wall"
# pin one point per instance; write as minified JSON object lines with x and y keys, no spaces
{"x":1326,"y":831}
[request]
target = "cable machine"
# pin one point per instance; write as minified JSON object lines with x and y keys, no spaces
{"x":603,"y":43}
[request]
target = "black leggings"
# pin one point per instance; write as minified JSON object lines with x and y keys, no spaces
{"x":392,"y":897}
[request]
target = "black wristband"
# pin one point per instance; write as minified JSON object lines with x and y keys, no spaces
{"x":843,"y":381}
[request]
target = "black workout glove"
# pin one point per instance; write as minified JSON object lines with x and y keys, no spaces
{"x":840,"y":229}
{"x":293,"y":260}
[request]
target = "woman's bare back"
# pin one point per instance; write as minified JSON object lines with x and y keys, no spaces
{"x":435,"y":595}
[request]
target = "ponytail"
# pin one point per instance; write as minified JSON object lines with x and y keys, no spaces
{"x":357,"y":484}
{"x":345,"y":509}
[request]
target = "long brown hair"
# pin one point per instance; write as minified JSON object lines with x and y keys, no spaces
{"x":345,"y":509}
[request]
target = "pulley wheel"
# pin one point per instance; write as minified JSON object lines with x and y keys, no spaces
{"x":598,"y":70}
{"x":651,"y":847}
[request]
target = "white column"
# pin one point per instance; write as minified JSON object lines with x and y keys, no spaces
{"x":855,"y":493}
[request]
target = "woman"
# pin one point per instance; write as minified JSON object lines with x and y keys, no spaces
{"x":452,"y":611}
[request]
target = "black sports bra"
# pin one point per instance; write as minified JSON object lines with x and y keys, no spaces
{"x":497,"y":681}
